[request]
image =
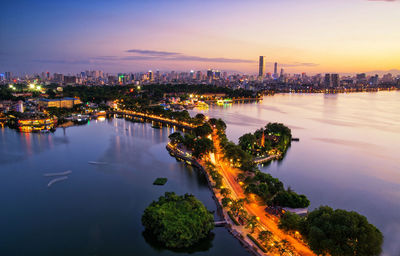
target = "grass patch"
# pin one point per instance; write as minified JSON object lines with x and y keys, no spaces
{"x":233,"y":219}
{"x":160,"y":181}
{"x":256,"y":243}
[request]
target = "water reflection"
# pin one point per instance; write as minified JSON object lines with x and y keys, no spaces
{"x":347,"y":156}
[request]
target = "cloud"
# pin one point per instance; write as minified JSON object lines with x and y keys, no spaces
{"x":300,"y":64}
{"x":85,"y":61}
{"x":382,"y":0}
{"x":153,"y":53}
{"x":176,"y":56}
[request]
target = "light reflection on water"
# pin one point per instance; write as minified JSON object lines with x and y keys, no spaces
{"x":97,"y":211}
{"x":348,"y":154}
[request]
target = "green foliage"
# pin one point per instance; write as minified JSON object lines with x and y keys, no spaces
{"x":264,"y":185}
{"x":251,"y":223}
{"x":202,"y":146}
{"x":219,"y":124}
{"x":203,"y":130}
{"x":225,"y":201}
{"x":256,"y":243}
{"x":265,"y":236}
{"x":225,"y":192}
{"x":339,"y":232}
{"x":290,"y":199}
{"x":276,"y":136}
{"x":176,"y":138}
{"x":178,"y":221}
{"x":160,"y":181}
{"x":233,"y":218}
{"x":290,"y":221}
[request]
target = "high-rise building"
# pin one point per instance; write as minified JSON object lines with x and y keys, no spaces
{"x":335,"y":80}
{"x":327,"y":80}
{"x":210,"y":74}
{"x":261,"y":68}
{"x":217,"y":74}
{"x":8,"y":76}
{"x":198,"y":75}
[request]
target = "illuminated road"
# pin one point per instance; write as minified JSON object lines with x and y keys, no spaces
{"x":266,"y":221}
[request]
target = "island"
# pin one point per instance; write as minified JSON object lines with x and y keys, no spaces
{"x":266,"y":217}
{"x":178,"y":221}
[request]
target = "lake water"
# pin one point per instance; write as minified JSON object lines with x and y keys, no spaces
{"x":349,"y":151}
{"x":98,"y":209}
{"x":347,"y":157}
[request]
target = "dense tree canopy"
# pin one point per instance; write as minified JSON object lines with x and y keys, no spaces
{"x":290,"y":199}
{"x":274,"y":136}
{"x":336,"y":232}
{"x":341,"y":233}
{"x":178,"y":221}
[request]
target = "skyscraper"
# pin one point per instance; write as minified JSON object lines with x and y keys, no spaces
{"x":275,"y":70}
{"x":327,"y":80}
{"x":335,"y":80}
{"x":261,"y":68}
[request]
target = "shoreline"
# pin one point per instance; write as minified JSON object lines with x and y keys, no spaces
{"x":249,"y":246}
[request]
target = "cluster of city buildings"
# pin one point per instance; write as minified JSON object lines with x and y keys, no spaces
{"x":277,"y":78}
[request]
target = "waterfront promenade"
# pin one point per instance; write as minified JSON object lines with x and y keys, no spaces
{"x":265,"y":221}
{"x":144,"y":116}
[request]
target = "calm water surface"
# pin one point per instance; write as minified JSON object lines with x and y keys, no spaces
{"x":348,"y":154}
{"x":97,"y":210}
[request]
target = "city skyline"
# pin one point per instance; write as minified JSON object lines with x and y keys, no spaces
{"x":350,"y":36}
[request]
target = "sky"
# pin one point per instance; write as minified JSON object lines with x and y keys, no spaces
{"x":313,"y":36}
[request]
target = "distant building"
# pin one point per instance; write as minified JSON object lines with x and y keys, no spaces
{"x":261,"y":68}
{"x":59,"y":103}
{"x":327,"y":80}
{"x":8,"y":76}
{"x":210,"y":74}
{"x":335,"y":80}
{"x":58,"y":78}
{"x":20,"y":106}
{"x":70,"y":80}
{"x":275,"y":70}
{"x":388,"y":78}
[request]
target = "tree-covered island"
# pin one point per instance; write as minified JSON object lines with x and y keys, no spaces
{"x":244,"y":190}
{"x":178,"y":221}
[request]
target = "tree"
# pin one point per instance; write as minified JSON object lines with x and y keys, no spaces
{"x":247,"y":142}
{"x":218,"y":124}
{"x":226,"y":201}
{"x":178,"y":221}
{"x":265,"y":236}
{"x":252,"y":223}
{"x":291,"y":199}
{"x":339,"y":232}
{"x":290,"y":221}
{"x":202,"y":146}
{"x":176,"y":138}
{"x":225,"y":192}
{"x":203,"y":130}
{"x":200,"y":118}
{"x":236,"y":206}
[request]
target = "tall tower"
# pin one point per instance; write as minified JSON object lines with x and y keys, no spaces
{"x":261,"y":68}
{"x":276,"y":68}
